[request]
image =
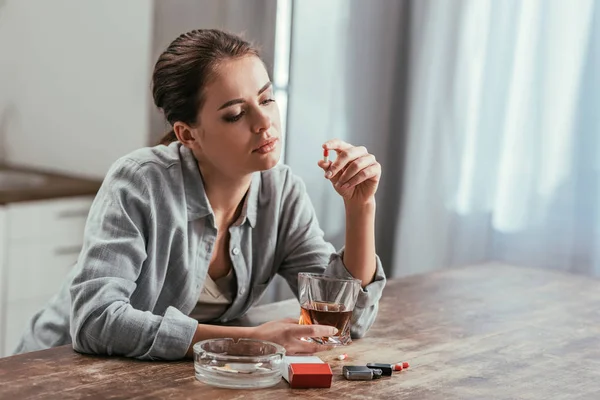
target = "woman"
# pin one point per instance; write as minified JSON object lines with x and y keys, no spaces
{"x":193,"y":230}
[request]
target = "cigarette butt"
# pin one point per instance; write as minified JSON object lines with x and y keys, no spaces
{"x":342,"y":357}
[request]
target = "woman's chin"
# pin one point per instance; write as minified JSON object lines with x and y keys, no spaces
{"x":271,"y":162}
{"x":268,"y":161}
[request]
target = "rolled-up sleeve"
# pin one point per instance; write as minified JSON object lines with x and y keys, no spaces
{"x":367,"y":303}
{"x":102,"y":319}
{"x":305,"y":250}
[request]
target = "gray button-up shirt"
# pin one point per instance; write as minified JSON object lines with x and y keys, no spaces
{"x":147,"y":247}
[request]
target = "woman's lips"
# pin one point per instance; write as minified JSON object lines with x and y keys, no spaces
{"x":267,"y":147}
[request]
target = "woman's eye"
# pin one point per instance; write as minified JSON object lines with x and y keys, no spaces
{"x":237,"y":117}
{"x":233,"y":118}
{"x":267,"y":101}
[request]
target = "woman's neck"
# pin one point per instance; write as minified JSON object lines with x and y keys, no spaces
{"x":225,"y":194}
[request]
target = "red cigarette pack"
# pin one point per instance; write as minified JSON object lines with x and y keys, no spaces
{"x":304,"y":376}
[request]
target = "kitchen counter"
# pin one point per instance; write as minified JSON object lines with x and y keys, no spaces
{"x":40,"y":185}
{"x":490,"y":331}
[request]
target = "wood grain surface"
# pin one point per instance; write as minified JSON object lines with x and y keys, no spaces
{"x":484,"y":332}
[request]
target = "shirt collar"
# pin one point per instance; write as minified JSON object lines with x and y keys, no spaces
{"x":249,"y":211}
{"x":197,"y":202}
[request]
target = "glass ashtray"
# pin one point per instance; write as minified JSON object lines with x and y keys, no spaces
{"x":238,"y":364}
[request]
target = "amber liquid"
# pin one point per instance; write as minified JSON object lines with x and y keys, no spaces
{"x":321,"y":313}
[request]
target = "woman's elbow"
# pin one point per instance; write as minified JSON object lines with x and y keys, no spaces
{"x":86,"y":332}
{"x":363,"y":322}
{"x":83,"y":341}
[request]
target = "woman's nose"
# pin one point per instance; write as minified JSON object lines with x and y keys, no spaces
{"x":263,"y":121}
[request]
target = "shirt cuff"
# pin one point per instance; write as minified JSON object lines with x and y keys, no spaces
{"x":174,"y":336}
{"x":370,"y":294}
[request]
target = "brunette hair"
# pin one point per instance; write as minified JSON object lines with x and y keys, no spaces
{"x":185,"y":68}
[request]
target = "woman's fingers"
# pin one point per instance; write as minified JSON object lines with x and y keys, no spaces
{"x":303,"y":347}
{"x":315,"y":330}
{"x":336,"y":144}
{"x":354,"y":167}
{"x":324,"y":165}
{"x":299,"y":346}
{"x":365,"y":174}
{"x":344,"y":157}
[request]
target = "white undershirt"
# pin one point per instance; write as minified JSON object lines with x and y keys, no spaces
{"x":215,"y":298}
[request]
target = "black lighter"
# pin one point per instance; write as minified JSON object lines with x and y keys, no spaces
{"x":360,"y":373}
{"x":386,"y":369}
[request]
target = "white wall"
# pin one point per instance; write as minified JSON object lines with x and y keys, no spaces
{"x":74,"y":79}
{"x":75,"y":75}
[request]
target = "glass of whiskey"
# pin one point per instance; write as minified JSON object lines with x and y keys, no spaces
{"x":327,"y":300}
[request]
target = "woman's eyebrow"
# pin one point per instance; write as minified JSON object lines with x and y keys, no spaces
{"x":238,"y":101}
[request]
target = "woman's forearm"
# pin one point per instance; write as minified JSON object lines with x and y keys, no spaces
{"x":204,"y":332}
{"x":359,"y":253}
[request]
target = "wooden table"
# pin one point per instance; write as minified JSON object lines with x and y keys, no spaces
{"x":483,"y":332}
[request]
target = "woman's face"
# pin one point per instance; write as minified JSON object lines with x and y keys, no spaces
{"x":238,"y":130}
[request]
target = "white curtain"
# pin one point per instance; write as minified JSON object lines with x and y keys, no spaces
{"x":482,"y":113}
{"x":342,"y":68}
{"x":503,"y":139}
{"x":343,"y":64}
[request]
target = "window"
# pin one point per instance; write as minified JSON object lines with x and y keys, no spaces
{"x":281,"y":67}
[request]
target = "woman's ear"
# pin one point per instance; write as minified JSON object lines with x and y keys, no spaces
{"x":184,"y":134}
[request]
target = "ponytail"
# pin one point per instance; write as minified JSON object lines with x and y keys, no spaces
{"x":169,"y":138}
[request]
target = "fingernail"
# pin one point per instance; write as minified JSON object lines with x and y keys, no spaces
{"x":328,"y":174}
{"x":334,"y":331}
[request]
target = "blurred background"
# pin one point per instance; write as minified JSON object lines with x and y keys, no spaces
{"x":481,"y":113}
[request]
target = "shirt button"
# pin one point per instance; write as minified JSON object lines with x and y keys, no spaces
{"x":235,"y":251}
